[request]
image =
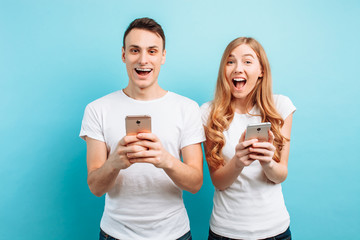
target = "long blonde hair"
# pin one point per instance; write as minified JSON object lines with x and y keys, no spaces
{"x":222,"y":108}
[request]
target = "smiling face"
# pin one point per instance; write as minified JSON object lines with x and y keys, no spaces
{"x":143,"y":55}
{"x":242,"y":71}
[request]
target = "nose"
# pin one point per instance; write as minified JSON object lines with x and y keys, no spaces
{"x":143,"y":59}
{"x":239,"y":68}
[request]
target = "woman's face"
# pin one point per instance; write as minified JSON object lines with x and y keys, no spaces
{"x":242,"y":70}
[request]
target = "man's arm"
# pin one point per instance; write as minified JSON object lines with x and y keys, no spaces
{"x":188,"y":175}
{"x":103,"y":170}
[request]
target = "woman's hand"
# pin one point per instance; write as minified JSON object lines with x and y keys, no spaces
{"x":242,"y":156}
{"x":263,"y":151}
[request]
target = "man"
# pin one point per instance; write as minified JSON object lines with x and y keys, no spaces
{"x":142,"y":175}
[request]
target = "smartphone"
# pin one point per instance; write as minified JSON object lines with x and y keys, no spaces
{"x":135,"y":124}
{"x":258,"y":130}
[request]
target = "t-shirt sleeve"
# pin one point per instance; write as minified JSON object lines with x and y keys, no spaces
{"x":91,"y":124}
{"x":205,"y":112}
{"x":193,"y":131}
{"x":284,"y":105}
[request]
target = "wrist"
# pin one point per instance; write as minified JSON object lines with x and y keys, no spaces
{"x":113,"y":163}
{"x":268,"y":165}
{"x":168,"y":159}
{"x":238,"y":165}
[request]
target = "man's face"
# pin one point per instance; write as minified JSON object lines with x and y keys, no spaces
{"x":143,"y":55}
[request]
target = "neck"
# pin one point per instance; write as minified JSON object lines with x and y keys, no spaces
{"x":240,"y":106}
{"x":144,"y":94}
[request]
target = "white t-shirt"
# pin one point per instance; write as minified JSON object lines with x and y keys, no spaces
{"x":252,"y":207}
{"x":144,"y":202}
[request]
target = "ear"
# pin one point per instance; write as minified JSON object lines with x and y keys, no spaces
{"x":123,"y":54}
{"x":163,"y":57}
{"x":261,"y":73}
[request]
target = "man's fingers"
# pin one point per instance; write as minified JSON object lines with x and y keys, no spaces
{"x":128,"y":139}
{"x":147,"y":136}
{"x":141,"y":154}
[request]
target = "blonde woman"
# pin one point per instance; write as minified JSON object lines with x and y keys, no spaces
{"x":247,"y":174}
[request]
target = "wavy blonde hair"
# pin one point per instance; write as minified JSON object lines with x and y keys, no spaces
{"x":222,"y":108}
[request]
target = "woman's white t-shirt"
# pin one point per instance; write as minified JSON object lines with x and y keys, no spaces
{"x":252,"y":207}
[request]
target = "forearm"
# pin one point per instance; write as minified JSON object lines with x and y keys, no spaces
{"x":101,"y":180}
{"x":184,"y":176}
{"x":275,"y":172}
{"x":225,"y":176}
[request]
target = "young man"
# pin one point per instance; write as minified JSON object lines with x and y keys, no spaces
{"x":142,"y":175}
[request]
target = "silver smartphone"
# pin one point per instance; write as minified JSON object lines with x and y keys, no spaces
{"x":135,"y":124}
{"x":258,"y":130}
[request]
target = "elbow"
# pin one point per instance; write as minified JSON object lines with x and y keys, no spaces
{"x":280,"y":179}
{"x":196,"y":187}
{"x":96,"y":193}
{"x":93,"y":189}
{"x":221,"y":188}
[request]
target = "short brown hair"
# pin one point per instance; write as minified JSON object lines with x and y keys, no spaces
{"x":146,"y":24}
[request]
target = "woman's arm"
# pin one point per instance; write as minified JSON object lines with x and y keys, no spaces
{"x":264,"y":152}
{"x":224,"y":176}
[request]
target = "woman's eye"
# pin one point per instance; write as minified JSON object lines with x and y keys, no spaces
{"x":230,"y":62}
{"x":247,"y":62}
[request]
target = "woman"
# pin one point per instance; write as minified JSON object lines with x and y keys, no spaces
{"x":248,"y":200}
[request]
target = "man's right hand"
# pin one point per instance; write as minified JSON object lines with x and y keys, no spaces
{"x":119,"y":158}
{"x":103,"y":169}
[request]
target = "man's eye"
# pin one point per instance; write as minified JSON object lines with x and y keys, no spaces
{"x":134,"y":50}
{"x":152,"y":51}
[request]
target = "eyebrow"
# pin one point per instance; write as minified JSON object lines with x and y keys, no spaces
{"x":245,"y":55}
{"x":150,"y":47}
{"x":248,"y":55}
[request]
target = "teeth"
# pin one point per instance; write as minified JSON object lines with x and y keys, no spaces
{"x":143,"y":69}
{"x":239,"y":79}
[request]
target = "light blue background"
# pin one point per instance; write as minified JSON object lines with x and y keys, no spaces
{"x":57,"y":56}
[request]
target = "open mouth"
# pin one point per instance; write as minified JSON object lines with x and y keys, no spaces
{"x":143,"y":71}
{"x":239,"y":83}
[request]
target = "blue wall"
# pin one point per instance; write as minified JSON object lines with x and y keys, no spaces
{"x":57,"y":56}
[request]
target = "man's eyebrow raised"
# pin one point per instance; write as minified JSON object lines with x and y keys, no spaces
{"x":137,"y":46}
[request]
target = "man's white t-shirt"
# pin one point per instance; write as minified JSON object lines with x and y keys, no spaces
{"x":144,"y":202}
{"x":252,"y":207}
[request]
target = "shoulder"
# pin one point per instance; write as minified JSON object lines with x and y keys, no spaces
{"x":284,"y":105}
{"x":182,"y":100}
{"x":205,"y":110}
{"x":206,"y":107}
{"x":105,"y":100}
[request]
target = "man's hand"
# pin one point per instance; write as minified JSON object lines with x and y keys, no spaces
{"x":151,"y":151}
{"x":128,"y":144}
